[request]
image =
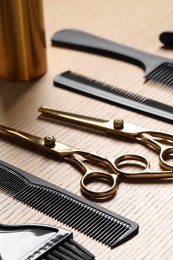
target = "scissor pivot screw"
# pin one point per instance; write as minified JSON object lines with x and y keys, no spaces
{"x":118,"y":123}
{"x":49,"y":141}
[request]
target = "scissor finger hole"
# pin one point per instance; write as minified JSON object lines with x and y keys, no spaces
{"x":131,"y":164}
{"x":99,"y":184}
{"x":167,"y":158}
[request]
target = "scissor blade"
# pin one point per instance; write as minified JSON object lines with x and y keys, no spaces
{"x":81,"y":119}
{"x":38,"y":141}
{"x":56,"y":148}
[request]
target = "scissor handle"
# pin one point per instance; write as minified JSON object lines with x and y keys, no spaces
{"x":154,"y":139}
{"x":146,"y":172}
{"x":165,"y":154}
{"x":94,"y":176}
{"x":131,"y":159}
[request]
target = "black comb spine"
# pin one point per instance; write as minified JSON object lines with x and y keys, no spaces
{"x":106,"y":92}
{"x":77,"y":212}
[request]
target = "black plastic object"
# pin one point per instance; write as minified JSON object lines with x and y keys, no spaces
{"x":89,"y":218}
{"x":156,"y":68}
{"x":106,"y":92}
{"x":167,"y":38}
{"x":33,"y":241}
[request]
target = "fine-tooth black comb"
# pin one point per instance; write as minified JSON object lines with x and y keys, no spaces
{"x":40,"y":242}
{"x":89,"y":218}
{"x":106,"y":92}
{"x":157,"y":68}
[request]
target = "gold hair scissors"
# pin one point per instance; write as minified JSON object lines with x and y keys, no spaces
{"x":73,"y":155}
{"x":152,"y":138}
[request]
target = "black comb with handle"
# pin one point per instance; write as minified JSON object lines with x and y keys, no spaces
{"x":91,"y":219}
{"x":157,"y":68}
{"x":40,"y":242}
{"x":94,"y":88}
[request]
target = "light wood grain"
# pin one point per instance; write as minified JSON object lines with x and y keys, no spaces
{"x":136,"y":24}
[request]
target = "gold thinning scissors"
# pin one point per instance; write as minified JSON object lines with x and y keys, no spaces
{"x":74,"y":155}
{"x":152,"y":138}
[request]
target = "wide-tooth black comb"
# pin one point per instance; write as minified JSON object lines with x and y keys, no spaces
{"x":106,"y":92}
{"x":40,"y":242}
{"x":156,"y":68}
{"x":91,"y":219}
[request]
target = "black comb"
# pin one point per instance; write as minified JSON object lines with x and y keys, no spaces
{"x":41,"y":242}
{"x":167,"y":38}
{"x":91,"y":219}
{"x":156,"y":68}
{"x":124,"y":98}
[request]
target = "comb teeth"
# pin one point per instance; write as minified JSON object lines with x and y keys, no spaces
{"x":102,"y":86}
{"x":91,"y":219}
{"x":163,"y":74}
{"x":118,"y":96}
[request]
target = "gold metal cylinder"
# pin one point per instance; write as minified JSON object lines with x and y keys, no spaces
{"x":22,"y":40}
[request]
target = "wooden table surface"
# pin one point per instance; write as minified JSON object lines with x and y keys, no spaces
{"x":134,"y":23}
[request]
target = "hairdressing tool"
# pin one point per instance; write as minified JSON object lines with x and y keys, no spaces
{"x":152,"y":138}
{"x":124,"y":98}
{"x":156,"y":68}
{"x":89,"y":218}
{"x":167,"y":38}
{"x":33,"y":241}
{"x":113,"y":165}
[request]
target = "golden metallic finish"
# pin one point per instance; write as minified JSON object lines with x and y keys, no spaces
{"x":118,"y":124}
{"x":112,"y":166}
{"x":152,"y":138}
{"x":22,"y":40}
{"x":50,"y":141}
